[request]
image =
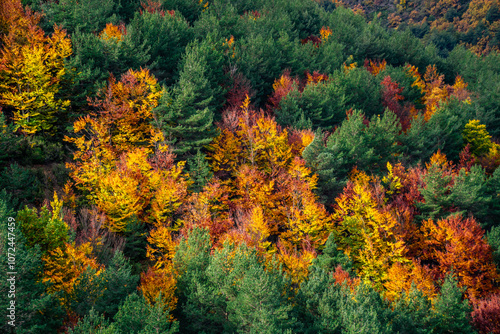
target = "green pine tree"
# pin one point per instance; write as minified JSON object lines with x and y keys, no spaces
{"x":199,"y":171}
{"x":332,"y":257}
{"x":452,"y":311}
{"x":186,"y":115}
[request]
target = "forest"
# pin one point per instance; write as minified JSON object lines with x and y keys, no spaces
{"x":249,"y":166}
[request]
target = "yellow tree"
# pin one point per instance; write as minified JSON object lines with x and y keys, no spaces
{"x":269,"y":190}
{"x":366,"y":232}
{"x":63,"y":266}
{"x":121,"y":164}
{"x":31,"y":70}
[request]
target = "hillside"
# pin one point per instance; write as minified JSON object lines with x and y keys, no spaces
{"x":235,"y":166}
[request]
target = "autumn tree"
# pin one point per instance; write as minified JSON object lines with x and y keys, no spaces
{"x":456,"y":244}
{"x":270,"y":189}
{"x":31,"y":70}
{"x":366,"y":233}
{"x":121,"y":164}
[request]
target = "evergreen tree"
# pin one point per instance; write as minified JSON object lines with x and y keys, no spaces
{"x":93,"y":324}
{"x":493,"y":238}
{"x":186,"y":115}
{"x":413,"y":313}
{"x":452,"y":311}
{"x":317,"y":299}
{"x":87,"y":16}
{"x":332,"y":257}
{"x":364,"y":311}
{"x":190,"y":262}
{"x":199,"y":171}
{"x":166,"y":36}
{"x":443,"y":131}
{"x":260,"y":306}
{"x":318,"y":105}
{"x":118,"y":283}
{"x":369,"y":147}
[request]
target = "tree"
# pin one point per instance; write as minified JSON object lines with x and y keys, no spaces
{"x":36,"y":310}
{"x":457,"y":244}
{"x":96,"y":55}
{"x":259,"y":306}
{"x":166,"y":33}
{"x":486,"y":314}
{"x":122,"y":164}
{"x":355,"y":143}
{"x":31,"y":71}
{"x":366,"y":233}
{"x":43,"y":228}
{"x":118,"y":283}
{"x":363,"y":311}
{"x":413,"y":313}
{"x":332,"y":257}
{"x":475,"y":134}
{"x":319,"y":102}
{"x":186,"y":118}
{"x":452,"y":312}
{"x":88,"y":17}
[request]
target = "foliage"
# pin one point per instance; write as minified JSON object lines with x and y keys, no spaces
{"x":251,"y":166}
{"x":31,"y":72}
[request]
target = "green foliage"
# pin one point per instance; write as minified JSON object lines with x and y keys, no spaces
{"x":93,"y":324}
{"x":362,"y":91}
{"x":493,"y":237}
{"x":190,"y":9}
{"x":321,"y":303}
{"x":87,"y":16}
{"x":104,"y":292}
{"x":305,"y":16}
{"x":36,"y":311}
{"x":199,"y":171}
{"x":262,"y":58}
{"x":320,"y":105}
{"x":369,"y":147}
{"x":468,"y":193}
{"x":94,"y":58}
{"x":483,"y":76}
{"x":42,"y":228}
{"x":364,"y":311}
{"x":135,"y":316}
{"x":492,"y":189}
{"x":332,"y":257}
{"x":412,"y":313}
{"x":135,"y":243}
{"x":118,"y":283}
{"x":186,"y":115}
{"x":452,"y":311}
{"x":21,"y":182}
{"x":87,"y":290}
{"x":442,"y":132}
{"x":326,"y":59}
{"x":8,"y":141}
{"x":229,"y":290}
{"x":464,"y":193}
{"x":166,"y":37}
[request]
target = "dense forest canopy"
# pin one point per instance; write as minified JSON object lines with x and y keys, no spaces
{"x":229,"y":166}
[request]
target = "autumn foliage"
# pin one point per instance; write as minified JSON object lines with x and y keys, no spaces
{"x":251,"y":167}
